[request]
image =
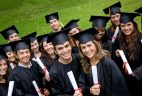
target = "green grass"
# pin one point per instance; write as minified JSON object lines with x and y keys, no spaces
{"x":28,"y":15}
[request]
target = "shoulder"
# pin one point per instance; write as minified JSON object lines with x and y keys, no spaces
{"x":107,"y":61}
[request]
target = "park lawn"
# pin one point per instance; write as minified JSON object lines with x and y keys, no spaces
{"x":29,"y":15}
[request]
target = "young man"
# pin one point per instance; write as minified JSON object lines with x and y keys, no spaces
{"x":66,"y":62}
{"x":26,"y":71}
{"x":10,"y":34}
{"x":114,"y":12}
{"x":54,"y":22}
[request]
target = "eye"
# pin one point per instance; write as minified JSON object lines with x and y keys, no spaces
{"x":66,"y":46}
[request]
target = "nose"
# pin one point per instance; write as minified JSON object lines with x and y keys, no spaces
{"x":64,"y":49}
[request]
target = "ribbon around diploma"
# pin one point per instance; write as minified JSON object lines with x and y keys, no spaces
{"x":124,"y":66}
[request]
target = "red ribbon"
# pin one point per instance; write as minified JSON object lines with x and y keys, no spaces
{"x":39,"y":91}
{"x":44,"y":70}
{"x":79,"y":89}
{"x":124,"y":66}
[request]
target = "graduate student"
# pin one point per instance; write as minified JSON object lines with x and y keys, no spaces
{"x":10,"y":34}
{"x":54,"y":22}
{"x":114,"y":12}
{"x":130,"y":43}
{"x":74,"y":29}
{"x":9,"y":55}
{"x":109,"y":76}
{"x":26,"y":71}
{"x":47,"y":49}
{"x":61,"y":85}
{"x":99,"y":23}
{"x":3,"y":77}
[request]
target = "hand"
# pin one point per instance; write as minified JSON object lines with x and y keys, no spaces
{"x":117,"y":53}
{"x":95,"y":90}
{"x":47,"y":77}
{"x":46,"y":92}
{"x":77,"y":93}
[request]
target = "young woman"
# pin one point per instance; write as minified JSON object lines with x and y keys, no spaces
{"x":3,"y":77}
{"x":109,"y":77}
{"x":99,"y":23}
{"x":114,"y":12}
{"x":130,"y":43}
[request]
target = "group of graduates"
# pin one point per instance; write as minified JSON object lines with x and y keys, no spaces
{"x":69,"y":48}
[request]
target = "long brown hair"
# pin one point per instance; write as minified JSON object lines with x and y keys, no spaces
{"x":100,"y":54}
{"x":132,"y":45}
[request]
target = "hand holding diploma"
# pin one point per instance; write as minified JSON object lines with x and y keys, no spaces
{"x":72,"y":80}
{"x":115,"y":34}
{"x":126,"y":64}
{"x":10,"y":88}
{"x":95,"y":74}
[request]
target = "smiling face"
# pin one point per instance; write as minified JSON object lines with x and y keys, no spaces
{"x":115,"y":19}
{"x":3,"y":67}
{"x":101,"y":33}
{"x":24,"y":56}
{"x":54,"y":24}
{"x":11,"y":56}
{"x":64,"y":50}
{"x":35,"y":46}
{"x":13,"y":37}
{"x":127,"y":28}
{"x":88,"y":49}
{"x":48,"y":47}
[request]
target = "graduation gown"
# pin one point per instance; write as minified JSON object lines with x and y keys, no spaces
{"x":61,"y":85}
{"x":4,"y":90}
{"x":109,"y":77}
{"x":134,"y":83}
{"x":23,"y":78}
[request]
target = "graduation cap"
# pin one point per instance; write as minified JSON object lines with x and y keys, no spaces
{"x":9,"y":31}
{"x":20,"y":45}
{"x":6,"y":48}
{"x":99,"y":21}
{"x":86,"y":35}
{"x":31,"y":37}
{"x":2,"y":53}
{"x":72,"y":24}
{"x":43,"y":38}
{"x":51,"y":17}
{"x":139,"y":10}
{"x":60,"y":37}
{"x":115,"y":8}
{"x":127,"y":17}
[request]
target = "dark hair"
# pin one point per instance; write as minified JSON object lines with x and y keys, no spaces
{"x":132,"y":44}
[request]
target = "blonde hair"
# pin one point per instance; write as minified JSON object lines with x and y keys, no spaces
{"x":100,"y":54}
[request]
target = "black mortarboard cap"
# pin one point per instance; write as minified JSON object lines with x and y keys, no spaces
{"x":115,"y":8}
{"x":139,"y":10}
{"x":51,"y":17}
{"x":86,"y":35}
{"x":31,"y":37}
{"x":72,"y":24}
{"x":6,"y":48}
{"x":60,"y":37}
{"x":42,"y":38}
{"x":127,"y":17}
{"x":9,"y":31}
{"x":2,"y":53}
{"x":99,"y":21}
{"x":20,"y":44}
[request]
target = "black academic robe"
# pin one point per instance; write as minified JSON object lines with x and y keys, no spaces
{"x":4,"y":90}
{"x":134,"y":83}
{"x":109,"y":77}
{"x":23,"y":78}
{"x":61,"y":85}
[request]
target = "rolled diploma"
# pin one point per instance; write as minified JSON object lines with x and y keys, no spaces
{"x":94,"y":74}
{"x":115,"y":34}
{"x":125,"y":60}
{"x":10,"y":88}
{"x":41,"y":65}
{"x":72,"y":80}
{"x":12,"y":66}
{"x":37,"y":89}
